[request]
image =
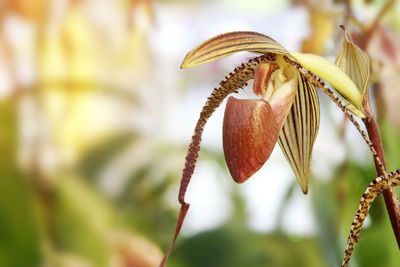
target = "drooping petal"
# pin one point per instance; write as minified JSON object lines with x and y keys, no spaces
{"x":300,"y":131}
{"x":250,"y":133}
{"x":229,"y":43}
{"x":355,"y":63}
{"x":339,"y":80}
{"x":233,"y":82}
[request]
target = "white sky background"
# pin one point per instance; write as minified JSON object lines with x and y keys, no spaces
{"x":180,"y":28}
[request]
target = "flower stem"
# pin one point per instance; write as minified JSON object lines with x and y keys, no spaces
{"x":389,"y":194}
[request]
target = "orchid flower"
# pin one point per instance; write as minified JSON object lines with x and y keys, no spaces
{"x":286,"y":109}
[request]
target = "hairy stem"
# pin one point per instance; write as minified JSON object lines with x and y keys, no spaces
{"x":232,"y":83}
{"x":372,"y":191}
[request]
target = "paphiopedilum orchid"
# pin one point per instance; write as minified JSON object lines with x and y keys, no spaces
{"x":286,"y":109}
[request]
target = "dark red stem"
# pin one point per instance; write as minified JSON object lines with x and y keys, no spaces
{"x":391,"y":200}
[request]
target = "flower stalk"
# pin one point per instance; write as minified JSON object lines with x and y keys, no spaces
{"x":389,"y":194}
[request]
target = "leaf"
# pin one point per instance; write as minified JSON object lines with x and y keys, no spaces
{"x":355,"y":63}
{"x":229,"y":43}
{"x":20,"y":225}
{"x":82,"y":220}
{"x":334,"y":75}
{"x":300,"y":131}
{"x":249,"y":135}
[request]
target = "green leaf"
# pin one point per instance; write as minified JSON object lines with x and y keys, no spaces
{"x":229,"y":43}
{"x":83,"y":221}
{"x":19,"y":230}
{"x":20,"y":225}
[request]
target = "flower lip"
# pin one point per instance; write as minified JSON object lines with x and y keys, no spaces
{"x":251,"y":126}
{"x":249,"y":135}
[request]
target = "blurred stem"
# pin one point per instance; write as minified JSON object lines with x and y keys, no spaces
{"x":380,"y":103}
{"x":371,"y":30}
{"x":349,"y":11}
{"x":389,"y":194}
{"x":43,"y":186}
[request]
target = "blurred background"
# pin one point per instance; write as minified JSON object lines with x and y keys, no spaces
{"x":96,"y":118}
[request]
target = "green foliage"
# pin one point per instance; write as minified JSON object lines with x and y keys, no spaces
{"x":104,"y":152}
{"x":82,"y":221}
{"x":336,"y":201}
{"x":19,"y":229}
{"x":231,"y":246}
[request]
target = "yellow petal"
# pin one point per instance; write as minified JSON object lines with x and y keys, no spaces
{"x":229,"y":43}
{"x":355,"y":63}
{"x":334,"y":75}
{"x":355,"y":111}
{"x":300,"y":131}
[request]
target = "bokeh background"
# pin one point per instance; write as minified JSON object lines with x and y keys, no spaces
{"x":96,"y":117}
